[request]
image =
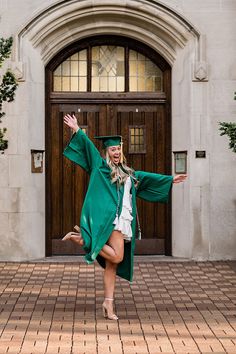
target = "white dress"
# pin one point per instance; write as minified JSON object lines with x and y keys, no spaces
{"x":123,"y":222}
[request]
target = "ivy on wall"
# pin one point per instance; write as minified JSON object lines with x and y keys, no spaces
{"x":8,"y":86}
{"x":229,"y":129}
{"x":5,"y":49}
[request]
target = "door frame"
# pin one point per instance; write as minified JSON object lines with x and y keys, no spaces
{"x":107,"y":97}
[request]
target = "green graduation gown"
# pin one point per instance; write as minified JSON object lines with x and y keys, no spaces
{"x":101,"y":200}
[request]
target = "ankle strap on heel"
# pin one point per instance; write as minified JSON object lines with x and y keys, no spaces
{"x":108,"y":298}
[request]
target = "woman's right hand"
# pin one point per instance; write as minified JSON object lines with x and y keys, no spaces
{"x":71,"y":121}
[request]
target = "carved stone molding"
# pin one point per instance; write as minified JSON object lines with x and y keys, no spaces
{"x":200,"y":71}
{"x":200,"y":66}
{"x":152,"y":23}
{"x":18,"y":69}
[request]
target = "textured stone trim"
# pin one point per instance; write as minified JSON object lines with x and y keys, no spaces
{"x":68,"y":21}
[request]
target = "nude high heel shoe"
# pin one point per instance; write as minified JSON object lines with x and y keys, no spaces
{"x":77,"y":228}
{"x":108,"y":313}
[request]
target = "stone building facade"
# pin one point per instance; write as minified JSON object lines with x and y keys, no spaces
{"x":197,"y":40}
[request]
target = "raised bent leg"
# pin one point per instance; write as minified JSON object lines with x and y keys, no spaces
{"x":113,"y":251}
{"x":75,"y":237}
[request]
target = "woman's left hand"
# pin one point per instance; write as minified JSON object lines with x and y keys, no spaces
{"x":179,"y":178}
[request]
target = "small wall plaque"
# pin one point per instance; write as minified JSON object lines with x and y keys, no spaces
{"x":180,"y":162}
{"x":37,"y":161}
{"x":201,"y":154}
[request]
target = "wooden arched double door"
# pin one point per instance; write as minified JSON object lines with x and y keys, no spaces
{"x":143,"y":119}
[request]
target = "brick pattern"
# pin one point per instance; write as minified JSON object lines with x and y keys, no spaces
{"x":171,"y":307}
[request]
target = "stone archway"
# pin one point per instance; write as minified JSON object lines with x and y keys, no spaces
{"x":152,"y":23}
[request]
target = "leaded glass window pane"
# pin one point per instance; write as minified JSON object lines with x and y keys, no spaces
{"x":71,"y":75}
{"x":144,"y":75}
{"x":108,"y":69}
{"x":137,"y":139}
{"x":107,"y":72}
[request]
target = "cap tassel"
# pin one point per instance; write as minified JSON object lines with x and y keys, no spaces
{"x":121,"y":152}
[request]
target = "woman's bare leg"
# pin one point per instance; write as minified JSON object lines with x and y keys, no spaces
{"x":109,"y":289}
{"x":112,"y":251}
{"x":108,"y":253}
{"x":109,"y":279}
{"x":115,"y":251}
{"x":77,"y":239}
{"x":116,"y":243}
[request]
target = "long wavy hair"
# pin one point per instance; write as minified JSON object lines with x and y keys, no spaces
{"x":120,"y":173}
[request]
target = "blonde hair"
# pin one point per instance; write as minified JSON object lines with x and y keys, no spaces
{"x":119,"y":173}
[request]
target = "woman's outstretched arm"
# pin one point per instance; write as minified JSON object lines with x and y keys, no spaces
{"x":81,"y":149}
{"x":155,"y":187}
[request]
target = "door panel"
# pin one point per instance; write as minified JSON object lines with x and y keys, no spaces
{"x":152,"y":216}
{"x":67,"y":183}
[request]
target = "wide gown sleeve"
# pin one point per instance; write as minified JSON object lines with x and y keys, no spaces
{"x":153,"y":187}
{"x":83,"y":152}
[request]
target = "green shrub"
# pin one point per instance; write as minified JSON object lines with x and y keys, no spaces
{"x":8,"y":86}
{"x":229,"y":129}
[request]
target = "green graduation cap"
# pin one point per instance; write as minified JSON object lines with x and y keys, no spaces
{"x":110,"y":140}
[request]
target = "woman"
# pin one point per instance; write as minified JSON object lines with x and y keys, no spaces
{"x":108,"y":217}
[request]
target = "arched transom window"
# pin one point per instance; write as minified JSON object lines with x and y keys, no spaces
{"x":107,"y":68}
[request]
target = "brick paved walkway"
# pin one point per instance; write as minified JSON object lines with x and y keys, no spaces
{"x":171,"y":307}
